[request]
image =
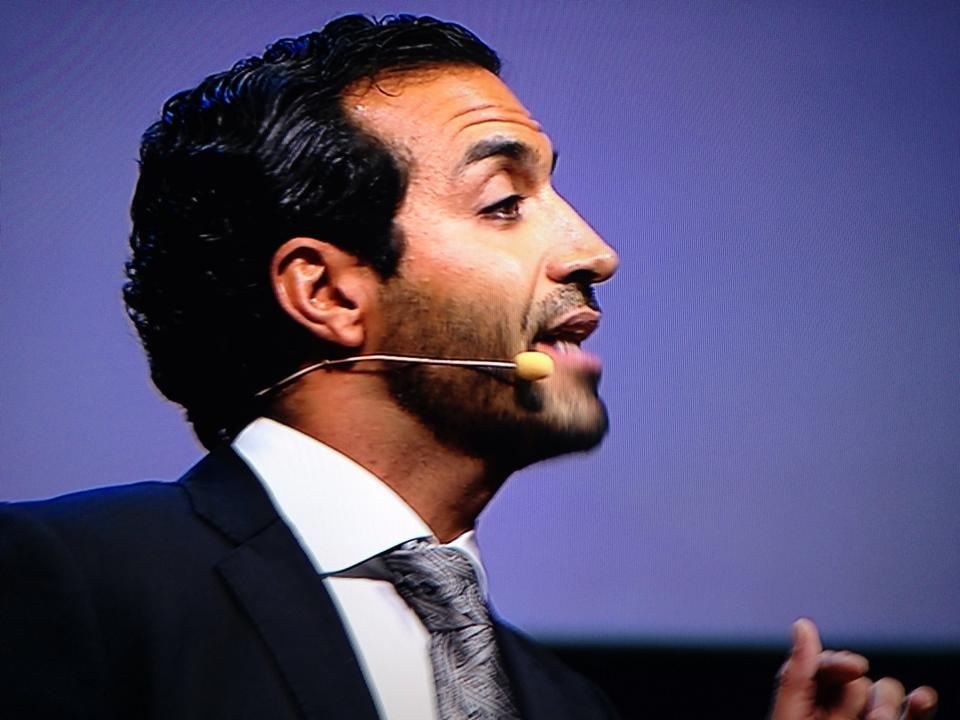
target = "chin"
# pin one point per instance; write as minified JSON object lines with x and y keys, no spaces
{"x":511,"y":426}
{"x":543,"y":422}
{"x":564,"y":425}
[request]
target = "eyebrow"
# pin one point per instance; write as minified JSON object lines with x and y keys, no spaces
{"x":502,"y":147}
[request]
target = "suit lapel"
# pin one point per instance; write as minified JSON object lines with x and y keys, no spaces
{"x":544,"y":688}
{"x":279,"y":589}
{"x":535,"y":696}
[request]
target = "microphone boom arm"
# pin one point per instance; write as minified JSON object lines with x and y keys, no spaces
{"x":505,"y":364}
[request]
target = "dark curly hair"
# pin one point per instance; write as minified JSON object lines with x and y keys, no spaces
{"x":236,"y":166}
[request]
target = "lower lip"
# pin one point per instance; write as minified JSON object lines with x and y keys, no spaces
{"x":573,"y":358}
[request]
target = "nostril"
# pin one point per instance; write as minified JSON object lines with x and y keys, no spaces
{"x":583,"y":268}
{"x":582,"y":276}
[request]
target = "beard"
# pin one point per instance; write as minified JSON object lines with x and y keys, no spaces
{"x":488,"y":413}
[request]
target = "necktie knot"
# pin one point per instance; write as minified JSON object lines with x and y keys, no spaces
{"x":439,"y":583}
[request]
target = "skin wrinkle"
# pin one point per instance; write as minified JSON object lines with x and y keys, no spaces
{"x":516,"y":118}
{"x":523,"y":117}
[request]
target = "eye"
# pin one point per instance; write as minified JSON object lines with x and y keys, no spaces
{"x":506,"y":209}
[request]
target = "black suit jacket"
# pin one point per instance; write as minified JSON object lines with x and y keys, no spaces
{"x":194,"y":600}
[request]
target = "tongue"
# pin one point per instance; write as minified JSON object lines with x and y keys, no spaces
{"x":571,"y":357}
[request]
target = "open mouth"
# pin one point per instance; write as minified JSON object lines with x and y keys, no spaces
{"x":562,"y":338}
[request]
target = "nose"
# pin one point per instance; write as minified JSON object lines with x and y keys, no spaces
{"x":579,"y":254}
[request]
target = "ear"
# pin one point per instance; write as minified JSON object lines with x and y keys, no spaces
{"x":325,"y":289}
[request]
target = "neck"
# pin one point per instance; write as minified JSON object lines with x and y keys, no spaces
{"x":444,"y":486}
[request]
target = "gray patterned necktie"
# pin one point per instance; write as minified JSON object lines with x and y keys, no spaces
{"x":440,"y":584}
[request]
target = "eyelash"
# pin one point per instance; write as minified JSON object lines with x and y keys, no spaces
{"x":506,"y":209}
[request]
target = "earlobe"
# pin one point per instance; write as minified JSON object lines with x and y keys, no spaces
{"x":323,"y":288}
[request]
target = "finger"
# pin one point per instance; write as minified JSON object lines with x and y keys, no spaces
{"x":920,"y":704}
{"x":851,"y":700}
{"x":804,"y":657}
{"x":886,"y":697}
{"x":797,"y":689}
{"x":838,"y":667}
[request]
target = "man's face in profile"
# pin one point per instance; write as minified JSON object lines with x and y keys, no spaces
{"x":496,"y":262}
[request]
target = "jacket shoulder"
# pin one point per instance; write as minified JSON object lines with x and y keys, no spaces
{"x":97,"y":503}
{"x":101,"y":516}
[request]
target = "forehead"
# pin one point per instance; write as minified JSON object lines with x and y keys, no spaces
{"x":433,"y":112}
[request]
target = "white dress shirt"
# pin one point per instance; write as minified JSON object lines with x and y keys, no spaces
{"x":344,"y":517}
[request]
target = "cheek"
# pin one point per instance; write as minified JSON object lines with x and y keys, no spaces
{"x":463,"y":267}
{"x":459,"y":253}
{"x":493,"y":271}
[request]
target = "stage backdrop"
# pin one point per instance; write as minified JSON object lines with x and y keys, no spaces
{"x":782,"y":342}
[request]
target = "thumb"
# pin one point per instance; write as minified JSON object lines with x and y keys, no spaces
{"x":797,"y":691}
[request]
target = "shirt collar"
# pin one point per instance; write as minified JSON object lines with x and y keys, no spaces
{"x":341,"y":513}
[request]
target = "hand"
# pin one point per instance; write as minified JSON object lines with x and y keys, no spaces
{"x":825,"y":685}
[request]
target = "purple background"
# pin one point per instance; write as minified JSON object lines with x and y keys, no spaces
{"x":782,"y":342}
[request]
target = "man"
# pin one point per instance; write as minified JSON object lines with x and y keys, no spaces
{"x":308,"y":226}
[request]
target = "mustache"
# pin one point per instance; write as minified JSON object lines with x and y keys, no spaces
{"x":562,"y":300}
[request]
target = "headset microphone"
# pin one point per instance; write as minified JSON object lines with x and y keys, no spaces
{"x":528,"y":366}
{"x":532,"y":365}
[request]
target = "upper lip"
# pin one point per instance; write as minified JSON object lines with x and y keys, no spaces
{"x":573,"y":326}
